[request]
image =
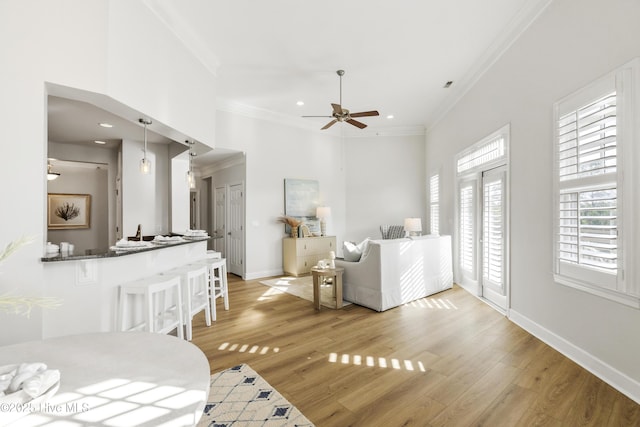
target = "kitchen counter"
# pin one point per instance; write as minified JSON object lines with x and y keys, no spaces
{"x":88,"y":285}
{"x":108,"y":253}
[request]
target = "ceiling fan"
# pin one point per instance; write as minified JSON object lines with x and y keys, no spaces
{"x":343,"y":115}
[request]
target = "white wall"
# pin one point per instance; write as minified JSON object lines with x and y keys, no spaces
{"x":571,"y":44}
{"x":145,"y":198}
{"x":112,"y":47}
{"x":180,"y":192}
{"x":385,"y":183}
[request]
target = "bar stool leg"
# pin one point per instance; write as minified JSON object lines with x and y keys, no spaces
{"x":122,"y":309}
{"x":207,"y":288}
{"x":179,"y":312}
{"x":224,"y":286}
{"x":148,"y":312}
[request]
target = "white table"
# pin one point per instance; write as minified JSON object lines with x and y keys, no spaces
{"x":118,"y":379}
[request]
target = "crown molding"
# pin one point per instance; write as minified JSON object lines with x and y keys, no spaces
{"x":171,"y":18}
{"x":252,"y":112}
{"x":518,"y":25}
{"x":298,"y":122}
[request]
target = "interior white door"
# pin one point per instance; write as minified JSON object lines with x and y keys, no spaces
{"x":220,"y":219}
{"x":494,"y":235}
{"x":235,"y":231}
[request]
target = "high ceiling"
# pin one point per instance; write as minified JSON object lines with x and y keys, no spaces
{"x":268,"y":55}
{"x":397,"y":55}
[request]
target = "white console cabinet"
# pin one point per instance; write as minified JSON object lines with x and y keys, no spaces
{"x":300,"y":254}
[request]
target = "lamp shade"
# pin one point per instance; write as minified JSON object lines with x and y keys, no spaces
{"x":323,"y":212}
{"x":413,"y":224}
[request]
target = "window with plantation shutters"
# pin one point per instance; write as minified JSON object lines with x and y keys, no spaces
{"x":467,"y":213}
{"x":590,"y":130}
{"x":434,"y":204}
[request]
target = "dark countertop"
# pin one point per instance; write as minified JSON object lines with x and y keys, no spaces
{"x":108,"y":253}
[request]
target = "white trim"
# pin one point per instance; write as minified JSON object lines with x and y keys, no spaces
{"x":597,"y":367}
{"x":262,"y":274}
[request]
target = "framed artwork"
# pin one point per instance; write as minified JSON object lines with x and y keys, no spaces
{"x":301,"y":197}
{"x":300,"y":201}
{"x":68,"y":211}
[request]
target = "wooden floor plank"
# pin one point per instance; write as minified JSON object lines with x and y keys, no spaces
{"x":444,"y":360}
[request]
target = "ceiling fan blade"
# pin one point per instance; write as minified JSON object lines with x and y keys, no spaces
{"x":365,"y":114}
{"x":357,"y":123}
{"x":328,"y":125}
{"x":337,"y":109}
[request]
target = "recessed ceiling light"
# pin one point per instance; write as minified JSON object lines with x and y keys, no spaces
{"x":106,"y":125}
{"x":301,"y":103}
{"x":100,"y":142}
{"x":390,"y":116}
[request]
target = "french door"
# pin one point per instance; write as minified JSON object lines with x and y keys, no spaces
{"x":482,"y":235}
{"x":494,"y":237}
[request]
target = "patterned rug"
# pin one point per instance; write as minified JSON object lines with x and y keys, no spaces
{"x":302,"y":287}
{"x":240,"y":397}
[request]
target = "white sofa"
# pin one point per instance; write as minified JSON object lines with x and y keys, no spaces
{"x":398,"y":271}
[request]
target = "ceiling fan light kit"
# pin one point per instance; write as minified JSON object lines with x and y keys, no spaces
{"x":343,"y":115}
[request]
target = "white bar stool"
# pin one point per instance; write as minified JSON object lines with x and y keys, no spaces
{"x":213,"y":254}
{"x":195,"y":294}
{"x":161,"y":305}
{"x":218,"y":286}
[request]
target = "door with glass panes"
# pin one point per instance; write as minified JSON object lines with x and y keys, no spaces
{"x":493,"y":239}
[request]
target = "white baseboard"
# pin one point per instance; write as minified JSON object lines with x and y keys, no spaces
{"x":607,"y":373}
{"x":260,"y":274}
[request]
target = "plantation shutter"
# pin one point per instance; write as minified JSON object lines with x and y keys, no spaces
{"x":493,"y":231}
{"x":434,"y":191}
{"x":587,"y":165}
{"x":466,"y":228}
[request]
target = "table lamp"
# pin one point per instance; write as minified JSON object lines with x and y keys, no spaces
{"x":323,"y":212}
{"x":413,"y":226}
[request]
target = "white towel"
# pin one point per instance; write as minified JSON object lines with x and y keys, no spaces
{"x":40,"y":383}
{"x":25,"y":371}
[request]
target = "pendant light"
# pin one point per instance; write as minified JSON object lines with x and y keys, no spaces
{"x":50,"y":174}
{"x":191,"y":178}
{"x":145,"y":164}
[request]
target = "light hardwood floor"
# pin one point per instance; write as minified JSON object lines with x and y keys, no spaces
{"x":446,"y":360}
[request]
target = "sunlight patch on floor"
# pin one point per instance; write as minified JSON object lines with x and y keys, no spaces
{"x":278,"y":288}
{"x":248,"y":348}
{"x":117,"y":402}
{"x":433,"y":304}
{"x":380,"y":362}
